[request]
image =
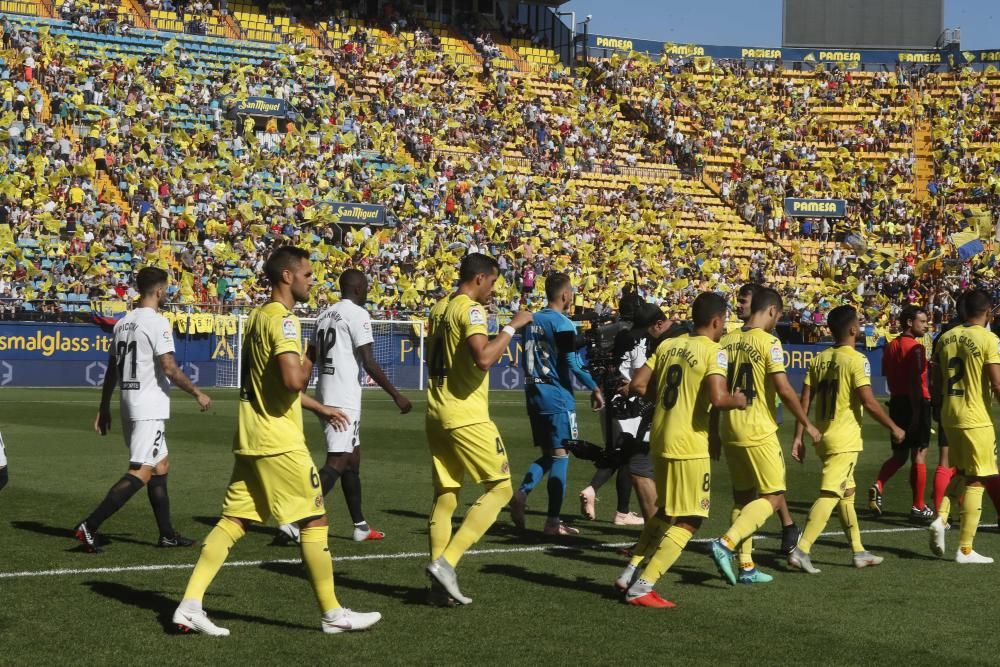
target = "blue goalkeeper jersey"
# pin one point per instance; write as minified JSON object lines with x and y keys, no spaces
{"x":550,"y":362}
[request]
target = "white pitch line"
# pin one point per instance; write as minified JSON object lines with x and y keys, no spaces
{"x":375,"y":557}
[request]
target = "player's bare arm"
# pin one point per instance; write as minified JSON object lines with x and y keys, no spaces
{"x":719,"y":396}
{"x":102,"y":424}
{"x":874,"y":408}
{"x":937,"y":381}
{"x":168,"y":363}
{"x":486,"y":352}
{"x":376,"y":373}
{"x":798,"y":448}
{"x":788,"y":398}
{"x":295,"y":371}
{"x":643,"y":383}
{"x":336,"y":418}
{"x":993,"y":373}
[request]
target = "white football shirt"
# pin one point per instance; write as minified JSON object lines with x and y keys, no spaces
{"x":340,"y":331}
{"x":140,"y":337}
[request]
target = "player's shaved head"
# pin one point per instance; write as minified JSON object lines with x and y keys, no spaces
{"x":748,"y":288}
{"x":475,"y":264}
{"x":149,"y":278}
{"x":764,"y":298}
{"x":840,"y":320}
{"x":977,"y":303}
{"x":351,"y":280}
{"x":706,"y":306}
{"x":555,"y":284}
{"x":285,"y":258}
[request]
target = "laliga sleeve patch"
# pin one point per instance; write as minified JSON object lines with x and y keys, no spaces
{"x":722,"y":359}
{"x":288,"y":328}
{"x":776,"y":355}
{"x":477,"y":316}
{"x":868,"y":368}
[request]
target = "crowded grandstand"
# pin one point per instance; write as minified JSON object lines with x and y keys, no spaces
{"x":198,"y":136}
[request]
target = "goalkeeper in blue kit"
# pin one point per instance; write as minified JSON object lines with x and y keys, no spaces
{"x":550,"y":363}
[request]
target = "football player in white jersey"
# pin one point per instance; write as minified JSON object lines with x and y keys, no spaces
{"x":3,"y":464}
{"x":342,"y":346}
{"x":142,"y":362}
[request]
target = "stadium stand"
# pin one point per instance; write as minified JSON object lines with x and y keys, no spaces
{"x":473,"y":137}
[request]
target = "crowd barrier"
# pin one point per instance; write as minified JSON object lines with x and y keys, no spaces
{"x":36,"y":354}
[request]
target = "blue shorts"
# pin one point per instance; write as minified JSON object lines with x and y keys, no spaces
{"x":549,"y":431}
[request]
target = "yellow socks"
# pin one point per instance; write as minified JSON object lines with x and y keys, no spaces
{"x":819,"y":515}
{"x":751,"y":518}
{"x":316,"y":556}
{"x":746,"y":547}
{"x":972,"y":511}
{"x":944,"y":511}
{"x":439,"y":522}
{"x":954,"y":490}
{"x":478,"y":520}
{"x":671,"y":546}
{"x":214,"y":552}
{"x":652,"y":534}
{"x":849,"y":522}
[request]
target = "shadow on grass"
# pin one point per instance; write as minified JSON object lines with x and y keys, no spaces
{"x":163,"y":607}
{"x":407,"y":594}
{"x":576,"y":584}
{"x":210,"y":521}
{"x":588,"y":557}
{"x":68,"y":534}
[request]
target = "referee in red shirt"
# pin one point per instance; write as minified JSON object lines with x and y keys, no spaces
{"x":904,"y":365}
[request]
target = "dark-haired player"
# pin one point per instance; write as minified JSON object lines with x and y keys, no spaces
{"x":904,"y":365}
{"x":341,"y":347}
{"x":789,"y":531}
{"x":273,"y":473}
{"x":838,"y":382}
{"x":966,"y":371}
{"x":551,"y":363}
{"x":461,"y":437}
{"x":750,"y":437}
{"x":685,"y":379}
{"x":142,"y":363}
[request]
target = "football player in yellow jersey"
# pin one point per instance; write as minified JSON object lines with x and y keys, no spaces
{"x":839,"y":383}
{"x":685,"y":378}
{"x":750,"y":437}
{"x":966,"y":369}
{"x":274,"y":475}
{"x":789,"y":531}
{"x":461,"y":437}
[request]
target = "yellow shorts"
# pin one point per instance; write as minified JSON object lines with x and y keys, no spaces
{"x":838,"y":472}
{"x":973,"y":450}
{"x":684,"y":485}
{"x":760,"y":468}
{"x":284,"y":486}
{"x":476,"y":449}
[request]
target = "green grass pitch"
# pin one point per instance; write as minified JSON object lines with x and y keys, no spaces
{"x":532,"y":604}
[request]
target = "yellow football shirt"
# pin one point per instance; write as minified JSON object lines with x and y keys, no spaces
{"x":270,"y":416}
{"x":962,"y":355}
{"x":458,"y":391}
{"x":753,"y":355}
{"x":834,"y":375}
{"x":680,"y":418}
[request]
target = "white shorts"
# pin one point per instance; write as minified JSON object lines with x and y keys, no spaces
{"x":146,"y":440}
{"x":344,"y":442}
{"x":3,"y":453}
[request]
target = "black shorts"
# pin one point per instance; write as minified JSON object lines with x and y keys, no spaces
{"x":917,"y":427}
{"x":639,"y":465}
